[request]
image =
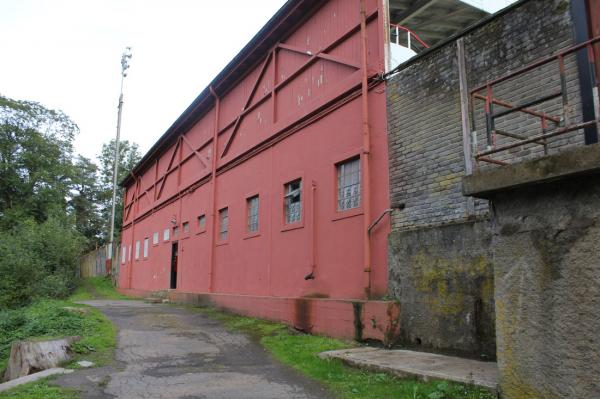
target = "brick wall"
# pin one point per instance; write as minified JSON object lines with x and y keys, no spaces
{"x":424,"y":114}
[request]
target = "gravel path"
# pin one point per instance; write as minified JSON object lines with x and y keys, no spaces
{"x":170,"y":352}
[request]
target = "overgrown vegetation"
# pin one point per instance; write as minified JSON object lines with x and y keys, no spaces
{"x":53,"y":205}
{"x":300,"y":352}
{"x":51,"y":319}
{"x":57,"y":318}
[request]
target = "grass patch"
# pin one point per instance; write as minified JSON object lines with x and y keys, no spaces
{"x":300,"y":352}
{"x":39,"y":390}
{"x":49,"y":319}
{"x":96,"y":288}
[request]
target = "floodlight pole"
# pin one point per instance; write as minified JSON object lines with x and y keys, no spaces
{"x":124,"y":66}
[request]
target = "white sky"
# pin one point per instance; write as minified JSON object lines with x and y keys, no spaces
{"x":66,"y":55}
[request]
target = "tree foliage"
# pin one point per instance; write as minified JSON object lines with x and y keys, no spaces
{"x":53,"y":206}
{"x":129,"y":156}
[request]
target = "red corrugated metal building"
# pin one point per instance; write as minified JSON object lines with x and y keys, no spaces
{"x":268,"y":195}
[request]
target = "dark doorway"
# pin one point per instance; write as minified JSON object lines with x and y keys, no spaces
{"x":174,"y":252}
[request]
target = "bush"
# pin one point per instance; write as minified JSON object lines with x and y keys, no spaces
{"x":38,"y":261}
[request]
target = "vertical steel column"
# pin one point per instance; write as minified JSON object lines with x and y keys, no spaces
{"x":211,"y":256}
{"x":489,"y":117}
{"x":563,"y":90}
{"x":366,"y":152}
{"x":580,"y":15}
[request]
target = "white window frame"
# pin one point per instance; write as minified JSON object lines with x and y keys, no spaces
{"x":146,"y":245}
{"x":185,"y":227}
{"x":137,"y":250}
{"x":292,"y":208}
{"x":252,"y":214}
{"x":123,"y":254}
{"x":155,"y":238}
{"x":348,"y":185}
{"x":223,"y":224}
{"x":166,"y":234}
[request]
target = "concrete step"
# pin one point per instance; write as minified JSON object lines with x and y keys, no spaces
{"x":425,"y":366}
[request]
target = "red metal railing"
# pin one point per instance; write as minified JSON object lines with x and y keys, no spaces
{"x":413,"y":41}
{"x":561,"y":124}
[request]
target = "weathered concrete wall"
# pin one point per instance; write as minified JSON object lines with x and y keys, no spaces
{"x":444,"y":280}
{"x":546,"y":257}
{"x":436,"y":254}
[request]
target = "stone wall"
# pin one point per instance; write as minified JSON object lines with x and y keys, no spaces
{"x":444,"y":278}
{"x":439,"y":246}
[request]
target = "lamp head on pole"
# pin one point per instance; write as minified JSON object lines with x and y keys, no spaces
{"x":125,"y":61}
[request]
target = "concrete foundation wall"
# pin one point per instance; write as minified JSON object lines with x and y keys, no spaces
{"x":346,"y":319}
{"x":547,"y":272}
{"x":546,"y":230}
{"x":444,"y":280}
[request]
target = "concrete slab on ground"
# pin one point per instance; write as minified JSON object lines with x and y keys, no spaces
{"x":420,"y":364}
{"x":33,"y":377}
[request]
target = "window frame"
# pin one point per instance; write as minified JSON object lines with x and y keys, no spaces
{"x":185,"y":229}
{"x":299,"y":223}
{"x":220,"y":240}
{"x":123,"y":254}
{"x":352,"y":212}
{"x":155,"y":238}
{"x":200,"y":229}
{"x":137,"y":250}
{"x":247,"y":232}
{"x":167,"y":234}
{"x":146,"y":250}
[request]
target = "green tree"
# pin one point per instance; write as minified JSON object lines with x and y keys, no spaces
{"x":129,"y":156}
{"x":36,"y":146}
{"x":86,"y":192}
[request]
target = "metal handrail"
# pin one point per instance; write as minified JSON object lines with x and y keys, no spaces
{"x":409,"y":33}
{"x":559,"y":121}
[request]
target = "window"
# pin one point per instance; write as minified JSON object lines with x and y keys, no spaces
{"x":252,"y":211}
{"x":348,"y":177}
{"x":201,"y":222}
{"x":123,"y":254}
{"x":137,"y":250}
{"x":166,"y":235}
{"x":129,"y":254}
{"x":175,"y":232}
{"x":186,"y":227}
{"x":293,"y":201}
{"x":155,"y":238}
{"x":146,"y":242}
{"x":223,"y":224}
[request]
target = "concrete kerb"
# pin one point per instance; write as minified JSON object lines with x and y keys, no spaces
{"x":420,"y":365}
{"x":33,"y":377}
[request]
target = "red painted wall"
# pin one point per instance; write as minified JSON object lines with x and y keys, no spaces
{"x":178,"y":186}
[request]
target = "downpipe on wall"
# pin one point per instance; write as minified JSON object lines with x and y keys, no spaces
{"x":366,"y":152}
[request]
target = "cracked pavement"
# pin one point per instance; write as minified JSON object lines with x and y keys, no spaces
{"x":172,"y":352}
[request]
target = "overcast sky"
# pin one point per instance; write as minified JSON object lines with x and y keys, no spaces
{"x":66,"y":55}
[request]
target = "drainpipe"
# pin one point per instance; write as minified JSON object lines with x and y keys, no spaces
{"x":366,"y":152}
{"x":313,"y":232}
{"x":211,"y":256}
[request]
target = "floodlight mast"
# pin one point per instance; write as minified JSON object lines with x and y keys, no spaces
{"x":124,"y":67}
